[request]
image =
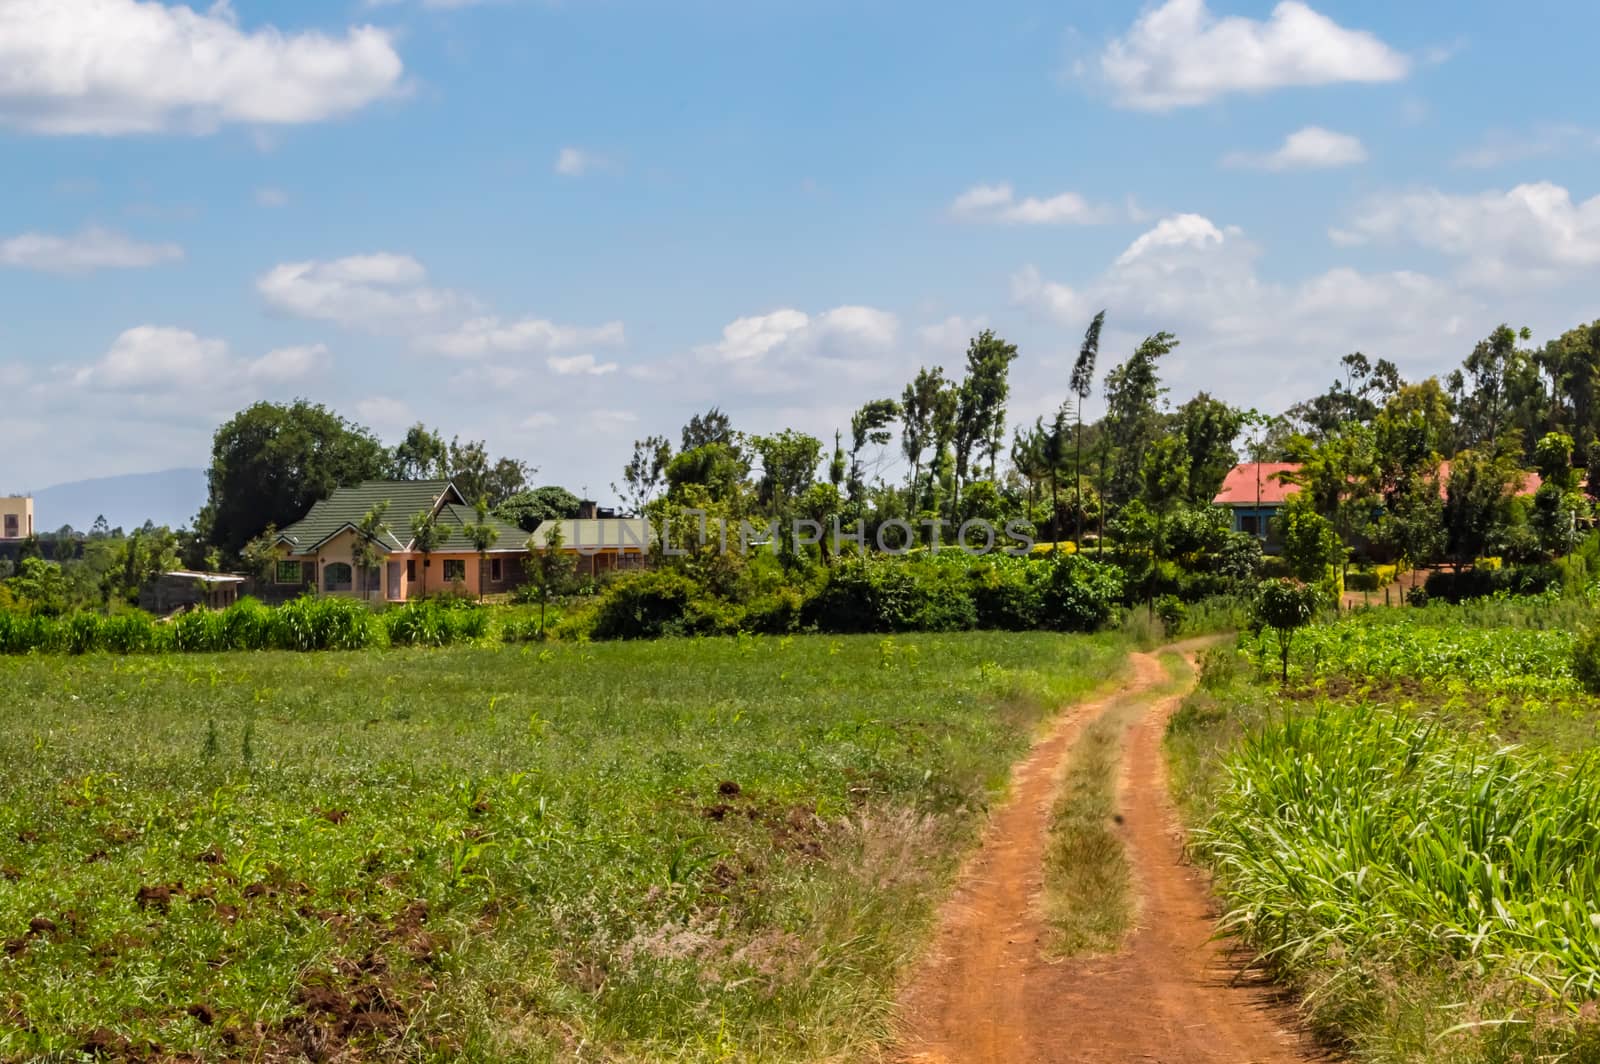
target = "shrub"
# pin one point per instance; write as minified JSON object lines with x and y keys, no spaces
{"x":893,"y":595}
{"x":1079,"y":595}
{"x":199,"y":631}
{"x":1586,"y":660}
{"x":644,"y":606}
{"x":1006,"y":595}
{"x":1457,"y":587}
{"x":1172,"y":613}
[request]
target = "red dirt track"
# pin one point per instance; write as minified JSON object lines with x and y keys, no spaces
{"x":986,"y":993}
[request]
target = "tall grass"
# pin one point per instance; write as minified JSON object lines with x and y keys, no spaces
{"x":1435,"y":898}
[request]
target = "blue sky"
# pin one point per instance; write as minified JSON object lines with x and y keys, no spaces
{"x":563,"y":225}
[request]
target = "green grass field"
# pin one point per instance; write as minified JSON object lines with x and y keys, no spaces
{"x":697,"y":850}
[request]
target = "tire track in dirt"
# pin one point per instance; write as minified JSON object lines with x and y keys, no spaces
{"x":986,"y":993}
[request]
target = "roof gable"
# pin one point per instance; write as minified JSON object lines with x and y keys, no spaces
{"x":348,"y":506}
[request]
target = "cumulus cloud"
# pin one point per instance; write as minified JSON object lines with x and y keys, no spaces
{"x":1499,"y":147}
{"x":86,"y":251}
{"x":580,"y":162}
{"x":998,"y":203}
{"x":579,"y":365}
{"x":1179,"y":54}
{"x":1244,"y":334}
{"x":158,"y":358}
{"x":794,"y":333}
{"x":379,"y":292}
{"x":142,"y":66}
{"x":491,"y":335}
{"x":1533,"y":232}
{"x":1311,"y":148}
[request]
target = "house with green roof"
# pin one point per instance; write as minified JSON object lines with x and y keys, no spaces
{"x":322,"y":551}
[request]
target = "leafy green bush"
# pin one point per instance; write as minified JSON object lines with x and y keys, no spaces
{"x":1007,"y":596}
{"x":1079,"y":595}
{"x":1486,"y":580}
{"x":1586,"y":660}
{"x":645,"y":606}
{"x":892,"y":595}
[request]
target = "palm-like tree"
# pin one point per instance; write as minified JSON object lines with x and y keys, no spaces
{"x":1082,"y":385}
{"x":426,"y":537}
{"x":483,"y":537}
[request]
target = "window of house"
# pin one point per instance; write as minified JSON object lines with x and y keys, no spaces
{"x":411,"y":569}
{"x":289,"y":573}
{"x":336,"y":577}
{"x":495,"y":571}
{"x":11,"y":527}
{"x":308,"y":574}
{"x":455,"y":569}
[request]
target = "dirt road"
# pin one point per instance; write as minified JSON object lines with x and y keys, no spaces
{"x":986,"y":994}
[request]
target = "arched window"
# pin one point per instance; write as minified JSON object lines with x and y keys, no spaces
{"x":336,"y":577}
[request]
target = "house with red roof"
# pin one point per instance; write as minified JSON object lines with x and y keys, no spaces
{"x":1256,"y":491}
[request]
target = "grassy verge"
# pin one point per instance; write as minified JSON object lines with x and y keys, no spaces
{"x":682,"y":850}
{"x":1088,"y":901}
{"x":1429,"y":890}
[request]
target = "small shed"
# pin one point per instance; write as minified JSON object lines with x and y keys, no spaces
{"x":182,"y":588}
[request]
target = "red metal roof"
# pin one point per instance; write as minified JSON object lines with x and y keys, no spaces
{"x":1254,"y":482}
{"x":1241,"y":486}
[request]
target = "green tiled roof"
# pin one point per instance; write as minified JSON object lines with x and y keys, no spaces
{"x":346,"y":507}
{"x":454,"y":517}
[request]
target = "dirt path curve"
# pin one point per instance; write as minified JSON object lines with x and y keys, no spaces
{"x":1170,"y":995}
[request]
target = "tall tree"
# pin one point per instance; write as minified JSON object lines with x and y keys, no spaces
{"x":1082,"y":385}
{"x":530,"y":509}
{"x":981,"y":404}
{"x":270,"y":462}
{"x":919,"y":407}
{"x":421,"y":455}
{"x":645,"y":472}
{"x":711,"y":427}
{"x":870,"y":424}
{"x":1133,"y":414}
{"x":1485,"y":385}
{"x":1209,"y":428}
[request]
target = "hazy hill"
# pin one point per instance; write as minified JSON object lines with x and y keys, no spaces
{"x":171,"y":497}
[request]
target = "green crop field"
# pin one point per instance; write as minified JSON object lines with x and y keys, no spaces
{"x":1410,"y":831}
{"x":686,"y":849}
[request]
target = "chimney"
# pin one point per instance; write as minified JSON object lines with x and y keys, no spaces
{"x":586,"y":509}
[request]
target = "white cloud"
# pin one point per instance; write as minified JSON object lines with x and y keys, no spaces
{"x":141,"y":66}
{"x":1247,"y":336}
{"x":1180,"y":230}
{"x":1180,"y":54}
{"x":289,"y":363}
{"x":271,"y":197}
{"x":156,"y":358}
{"x":382,"y":292}
{"x":997,"y":203}
{"x":385,"y":413}
{"x":580,"y":162}
{"x":1533,"y":232}
{"x":492,"y":335}
{"x":949,"y":337}
{"x":1311,"y":148}
{"x":576,"y":365}
{"x":86,"y":251}
{"x":1500,"y":147}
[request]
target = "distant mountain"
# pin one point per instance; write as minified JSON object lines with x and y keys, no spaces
{"x":171,"y":497}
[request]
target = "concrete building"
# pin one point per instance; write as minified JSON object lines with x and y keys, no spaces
{"x":16,"y":517}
